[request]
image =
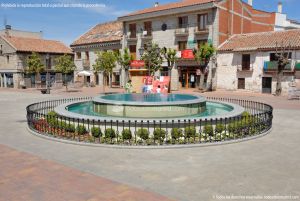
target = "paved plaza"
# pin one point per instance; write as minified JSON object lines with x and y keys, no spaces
{"x":36,"y":169}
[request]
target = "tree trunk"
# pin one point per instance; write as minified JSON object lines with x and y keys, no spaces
{"x":201,"y":82}
{"x":209,"y":77}
{"x":279,"y":79}
{"x":110,"y":80}
{"x":66,"y":83}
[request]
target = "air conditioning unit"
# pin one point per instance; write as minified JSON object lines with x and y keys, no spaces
{"x":145,"y":33}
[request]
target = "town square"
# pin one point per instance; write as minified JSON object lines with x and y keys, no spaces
{"x":187,"y":100}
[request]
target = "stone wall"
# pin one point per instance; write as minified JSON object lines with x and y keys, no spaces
{"x":228,"y":74}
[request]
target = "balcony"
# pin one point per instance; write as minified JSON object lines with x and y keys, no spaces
{"x":297,"y":66}
{"x":131,"y":37}
{"x":86,"y":64}
{"x":272,"y":66}
{"x":147,"y":35}
{"x":199,"y":31}
{"x":182,"y":30}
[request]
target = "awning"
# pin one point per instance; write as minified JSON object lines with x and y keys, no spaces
{"x":84,"y":73}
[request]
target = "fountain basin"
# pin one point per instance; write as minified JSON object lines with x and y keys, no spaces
{"x":149,"y":105}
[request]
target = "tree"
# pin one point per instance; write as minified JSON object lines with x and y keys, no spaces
{"x":65,"y":65}
{"x":152,"y":58}
{"x":124,"y":58}
{"x":105,"y":62}
{"x":282,"y":58}
{"x":34,"y":64}
{"x":170,"y":56}
{"x":202,"y":56}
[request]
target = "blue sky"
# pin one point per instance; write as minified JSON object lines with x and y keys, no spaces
{"x":67,"y":24}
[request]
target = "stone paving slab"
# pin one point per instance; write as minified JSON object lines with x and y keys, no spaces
{"x":29,"y":178}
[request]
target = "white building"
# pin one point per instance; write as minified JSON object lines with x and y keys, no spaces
{"x":248,"y":62}
{"x":101,"y":37}
{"x":282,"y":22}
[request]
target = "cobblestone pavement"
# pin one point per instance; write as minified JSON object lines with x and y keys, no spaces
{"x":264,"y":166}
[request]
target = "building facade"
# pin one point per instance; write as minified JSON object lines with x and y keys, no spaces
{"x":187,"y":24}
{"x":248,"y":61}
{"x":102,"y":37}
{"x":16,"y":47}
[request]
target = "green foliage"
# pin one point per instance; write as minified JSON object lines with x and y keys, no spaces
{"x":65,"y":64}
{"x":159,"y":134}
{"x":96,"y":132}
{"x":176,"y":133}
{"x":81,"y":130}
{"x":209,"y":130}
{"x":170,"y":55}
{"x":34,"y":63}
{"x":124,"y":58}
{"x":126,"y":134}
{"x":204,"y":53}
{"x":143,"y":133}
{"x":219,"y":128}
{"x":152,"y":58}
{"x":110,"y":133}
{"x":190,"y":131}
{"x":51,"y":118}
{"x":70,"y":128}
{"x":105,"y":62}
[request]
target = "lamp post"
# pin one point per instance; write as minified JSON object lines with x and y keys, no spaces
{"x":47,"y":74}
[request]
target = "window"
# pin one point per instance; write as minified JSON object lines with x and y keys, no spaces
{"x":148,"y":28}
{"x":274,"y":58}
{"x":182,"y":45}
{"x":200,"y":43}
{"x":7,"y":59}
{"x":183,"y":22}
{"x":87,"y":56}
{"x":246,"y":61}
{"x":132,"y":49}
{"x":78,"y":55}
{"x":202,"y":22}
{"x":241,"y":83}
{"x":132,"y":29}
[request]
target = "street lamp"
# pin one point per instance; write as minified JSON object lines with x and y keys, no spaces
{"x":47,"y":74}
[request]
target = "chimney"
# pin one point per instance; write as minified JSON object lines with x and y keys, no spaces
{"x":250,"y":2}
{"x":156,"y":4}
{"x":279,"y":10}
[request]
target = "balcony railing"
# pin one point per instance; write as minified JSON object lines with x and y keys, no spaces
{"x":86,"y":64}
{"x":199,"y":31}
{"x":147,"y":34}
{"x":246,"y":66}
{"x":182,"y":30}
{"x":132,"y":36}
{"x":272,"y":66}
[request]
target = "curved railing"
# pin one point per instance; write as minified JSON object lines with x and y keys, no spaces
{"x":257,"y":120}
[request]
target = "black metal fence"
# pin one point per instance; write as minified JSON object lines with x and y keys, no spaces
{"x":256,"y":120}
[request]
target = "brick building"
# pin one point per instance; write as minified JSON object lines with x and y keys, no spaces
{"x":187,"y":24}
{"x":101,"y":37}
{"x":16,"y":46}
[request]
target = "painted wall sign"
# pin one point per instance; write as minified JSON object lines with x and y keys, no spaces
{"x":187,"y":54}
{"x":137,"y":64}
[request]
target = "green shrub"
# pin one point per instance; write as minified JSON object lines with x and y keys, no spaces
{"x":232,"y":128}
{"x":219,"y":128}
{"x":126,"y":134}
{"x":69,"y":127}
{"x":81,"y":130}
{"x":245,"y":114}
{"x":176,"y":133}
{"x":52,"y":119}
{"x":159,"y":134}
{"x":190,"y":131}
{"x":143,"y":133}
{"x":96,"y":132}
{"x":110,"y":133}
{"x":208,"y":129}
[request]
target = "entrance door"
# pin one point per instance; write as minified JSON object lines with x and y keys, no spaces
{"x":192,"y":79}
{"x":188,"y":78}
{"x":267,"y":85}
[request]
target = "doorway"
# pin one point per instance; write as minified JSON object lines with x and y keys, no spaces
{"x":267,"y":85}
{"x":188,"y":78}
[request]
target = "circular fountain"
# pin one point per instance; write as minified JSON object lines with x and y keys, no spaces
{"x":149,"y":105}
